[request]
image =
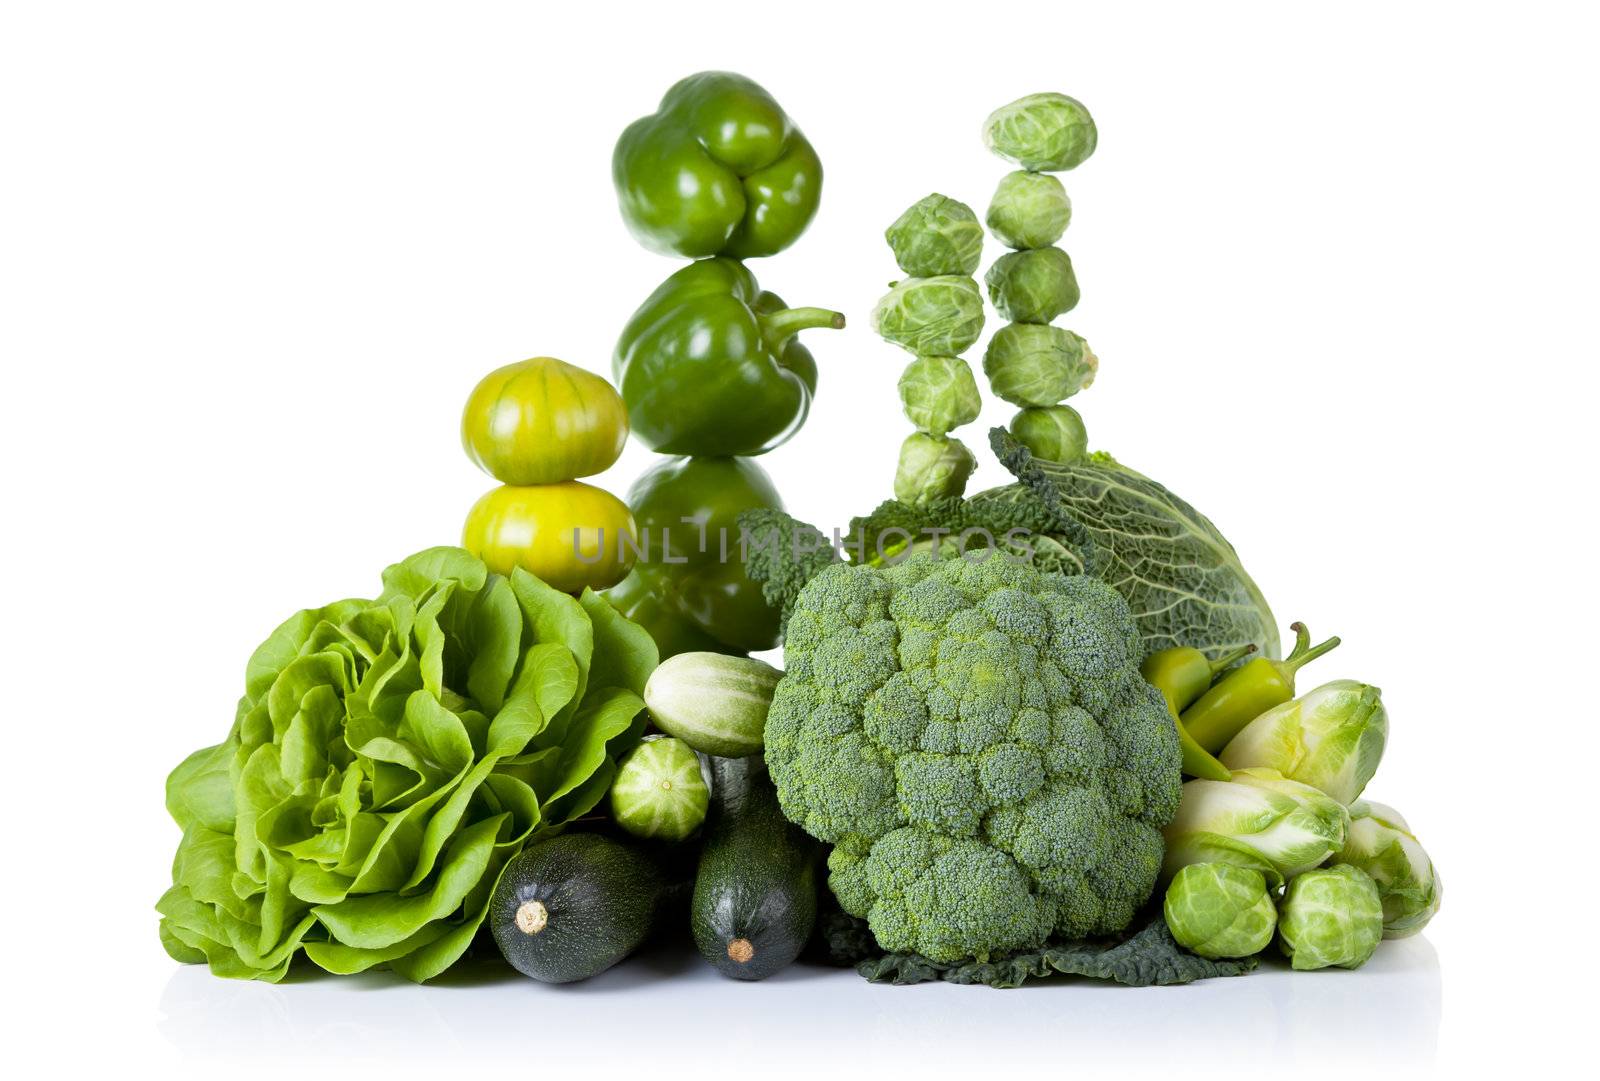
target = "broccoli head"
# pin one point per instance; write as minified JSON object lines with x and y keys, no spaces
{"x":974,"y":738}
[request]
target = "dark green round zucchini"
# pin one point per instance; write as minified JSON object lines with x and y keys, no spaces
{"x":755,"y":896}
{"x":571,"y":907}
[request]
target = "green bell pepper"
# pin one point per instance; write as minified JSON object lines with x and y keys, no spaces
{"x":689,"y":588}
{"x":709,"y":364}
{"x":718,"y":169}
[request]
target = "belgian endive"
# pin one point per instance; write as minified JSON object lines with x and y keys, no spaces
{"x":1331,"y":738}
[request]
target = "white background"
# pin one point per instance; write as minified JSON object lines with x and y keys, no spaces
{"x":1339,"y":266}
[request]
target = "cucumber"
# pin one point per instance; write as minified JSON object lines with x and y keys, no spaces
{"x":715,"y":703}
{"x":571,"y":907}
{"x":755,"y":896}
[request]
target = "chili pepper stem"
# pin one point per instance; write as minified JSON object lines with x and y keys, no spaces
{"x":1226,"y":659}
{"x":779,"y":326}
{"x":1304,"y":652}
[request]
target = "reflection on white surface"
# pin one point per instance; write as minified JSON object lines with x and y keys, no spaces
{"x":670,"y":1008}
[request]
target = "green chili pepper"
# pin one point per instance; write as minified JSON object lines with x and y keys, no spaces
{"x":688,"y":587}
{"x":718,"y":169}
{"x":709,"y":365}
{"x":1249,"y":691}
{"x":1182,"y":675}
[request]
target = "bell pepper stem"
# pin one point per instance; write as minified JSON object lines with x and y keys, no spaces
{"x":779,"y":326}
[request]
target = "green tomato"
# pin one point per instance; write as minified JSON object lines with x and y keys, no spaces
{"x":660,"y":791}
{"x":1044,"y":133}
{"x":940,"y":316}
{"x":1029,"y":210}
{"x":939,"y":393}
{"x":932,"y":467}
{"x":937,"y":235}
{"x":571,"y":535}
{"x":1033,"y":286}
{"x":1219,"y":910}
{"x":543,"y":420}
{"x":1054,"y":433}
{"x":1329,"y":917}
{"x":1032,"y":364}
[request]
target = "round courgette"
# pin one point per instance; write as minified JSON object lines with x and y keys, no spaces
{"x":571,"y":907}
{"x":715,"y":703}
{"x":755,"y":895}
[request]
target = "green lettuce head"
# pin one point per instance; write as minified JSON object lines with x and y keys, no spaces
{"x":1330,"y":917}
{"x":940,"y":316}
{"x":1330,"y":738}
{"x":1220,"y":910}
{"x":1260,"y":820}
{"x":1381,"y":844}
{"x":1029,"y":210}
{"x":387,"y":760}
{"x":937,"y":235}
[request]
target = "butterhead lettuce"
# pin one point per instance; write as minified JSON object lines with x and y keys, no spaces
{"x":387,"y":760}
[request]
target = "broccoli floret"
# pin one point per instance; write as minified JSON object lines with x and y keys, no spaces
{"x":782,"y":554}
{"x":975,"y":739}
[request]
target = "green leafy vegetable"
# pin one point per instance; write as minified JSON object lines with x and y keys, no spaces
{"x":386,"y":761}
{"x":1330,"y":917}
{"x":1180,"y":576}
{"x":1030,"y":364}
{"x":937,"y":235}
{"x":1220,"y":910}
{"x":1330,"y":738}
{"x":1054,"y":433}
{"x":1047,"y":133}
{"x":1029,"y":210}
{"x":1382,"y":844}
{"x":1033,"y":286}
{"x":939,"y":394}
{"x":1258,"y":820}
{"x":932,"y":467}
{"x":940,"y":316}
{"x":1148,"y":958}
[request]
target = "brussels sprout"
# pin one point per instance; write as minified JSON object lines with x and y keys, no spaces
{"x":1030,"y":364}
{"x":1381,"y":844}
{"x":1219,"y":910}
{"x":1330,"y":738}
{"x":939,"y":394}
{"x":939,"y":316}
{"x":937,"y":235}
{"x":1044,"y":133}
{"x":1330,"y":917}
{"x":1029,"y":210}
{"x":932,"y":467}
{"x":1032,"y":286}
{"x":1259,"y":820}
{"x":1053,"y":432}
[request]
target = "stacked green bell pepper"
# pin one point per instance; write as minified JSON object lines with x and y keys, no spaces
{"x":718,"y":169}
{"x":689,"y":588}
{"x":709,"y":366}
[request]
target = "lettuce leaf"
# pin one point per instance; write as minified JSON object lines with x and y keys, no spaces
{"x":388,"y":759}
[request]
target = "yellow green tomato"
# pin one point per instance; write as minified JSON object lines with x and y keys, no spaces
{"x":568,"y":535}
{"x":543,"y":420}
